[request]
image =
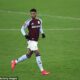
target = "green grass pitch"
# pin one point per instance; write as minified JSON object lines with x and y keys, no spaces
{"x":60,"y":50}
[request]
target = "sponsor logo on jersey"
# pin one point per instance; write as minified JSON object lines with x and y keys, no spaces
{"x":35,"y":26}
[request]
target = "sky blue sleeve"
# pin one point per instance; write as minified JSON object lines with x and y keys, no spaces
{"x":41,"y":29}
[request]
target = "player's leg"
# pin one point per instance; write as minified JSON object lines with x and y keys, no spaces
{"x":22,"y":58}
{"x":39,"y":62}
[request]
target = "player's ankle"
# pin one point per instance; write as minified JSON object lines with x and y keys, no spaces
{"x":42,"y":70}
{"x":16,"y":61}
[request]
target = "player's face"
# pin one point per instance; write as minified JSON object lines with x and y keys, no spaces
{"x":33,"y":14}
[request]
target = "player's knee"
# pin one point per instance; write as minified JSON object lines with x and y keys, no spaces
{"x":29,"y":54}
{"x":37,"y":53}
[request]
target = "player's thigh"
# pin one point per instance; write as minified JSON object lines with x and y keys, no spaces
{"x":33,"y":45}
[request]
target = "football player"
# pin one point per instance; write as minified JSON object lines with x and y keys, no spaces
{"x":34,"y":26}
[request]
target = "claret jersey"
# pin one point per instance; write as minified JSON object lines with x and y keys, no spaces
{"x":34,"y":27}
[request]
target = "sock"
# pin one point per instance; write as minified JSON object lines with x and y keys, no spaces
{"x":22,"y":58}
{"x":39,"y":62}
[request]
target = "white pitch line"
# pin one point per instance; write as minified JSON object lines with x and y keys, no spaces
{"x":9,"y":29}
{"x":46,"y":15}
{"x":62,"y":17}
{"x":64,"y":29}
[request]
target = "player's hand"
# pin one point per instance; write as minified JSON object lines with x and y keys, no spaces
{"x":43,"y":35}
{"x":27,"y":37}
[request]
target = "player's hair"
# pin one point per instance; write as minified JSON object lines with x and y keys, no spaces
{"x":33,"y":10}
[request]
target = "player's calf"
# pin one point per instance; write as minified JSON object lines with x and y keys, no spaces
{"x":22,"y":58}
{"x":39,"y":62}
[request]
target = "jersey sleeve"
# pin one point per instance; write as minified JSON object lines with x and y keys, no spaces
{"x":24,"y":27}
{"x":41,"y":29}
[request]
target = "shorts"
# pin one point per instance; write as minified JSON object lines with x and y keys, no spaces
{"x":32,"y":45}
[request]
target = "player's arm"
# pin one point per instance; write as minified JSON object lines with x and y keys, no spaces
{"x":23,"y":29}
{"x":41,"y":31}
